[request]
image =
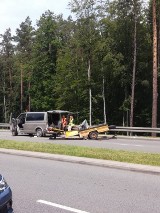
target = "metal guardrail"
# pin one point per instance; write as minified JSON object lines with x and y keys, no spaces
{"x":127,"y":130}
{"x":4,"y":125}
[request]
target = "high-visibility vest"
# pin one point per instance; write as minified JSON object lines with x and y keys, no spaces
{"x":71,"y":121}
{"x":64,"y":121}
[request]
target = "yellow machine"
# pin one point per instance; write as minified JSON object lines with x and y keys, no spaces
{"x":90,"y":132}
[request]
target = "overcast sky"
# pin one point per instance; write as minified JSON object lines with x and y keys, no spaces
{"x":14,"y":12}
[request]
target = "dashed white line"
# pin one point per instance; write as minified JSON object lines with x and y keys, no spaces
{"x":125,"y":144}
{"x":61,"y":206}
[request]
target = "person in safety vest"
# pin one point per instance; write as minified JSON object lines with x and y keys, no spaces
{"x":63,"y":122}
{"x":71,"y":119}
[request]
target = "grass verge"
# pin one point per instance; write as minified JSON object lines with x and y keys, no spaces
{"x":105,"y":154}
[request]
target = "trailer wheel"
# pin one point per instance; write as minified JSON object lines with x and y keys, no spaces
{"x":54,"y":135}
{"x":93,"y":135}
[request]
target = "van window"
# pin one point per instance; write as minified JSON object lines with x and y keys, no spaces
{"x":22,"y":116}
{"x":35,"y":117}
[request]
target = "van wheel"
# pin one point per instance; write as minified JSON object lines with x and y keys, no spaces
{"x":39,"y":132}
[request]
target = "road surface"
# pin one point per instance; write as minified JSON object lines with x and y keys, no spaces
{"x":44,"y":186}
{"x":134,"y":144}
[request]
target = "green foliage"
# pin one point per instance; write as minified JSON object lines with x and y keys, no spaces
{"x":24,"y":39}
{"x":7,"y":81}
{"x":44,"y":62}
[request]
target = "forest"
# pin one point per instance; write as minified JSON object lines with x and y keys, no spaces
{"x":98,"y":63}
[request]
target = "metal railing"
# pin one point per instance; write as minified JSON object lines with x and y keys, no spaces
{"x":4,"y":125}
{"x":117,"y":129}
{"x":130,"y":130}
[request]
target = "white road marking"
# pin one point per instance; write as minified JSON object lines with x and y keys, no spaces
{"x":61,"y":206}
{"x":125,"y":144}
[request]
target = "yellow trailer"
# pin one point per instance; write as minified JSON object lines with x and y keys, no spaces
{"x":92,"y":132}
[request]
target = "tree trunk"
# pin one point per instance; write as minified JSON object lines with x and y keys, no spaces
{"x":4,"y":100}
{"x":155,"y":71}
{"x":90,"y":93}
{"x":134,"y":65}
{"x":21,"y":89}
{"x":29,"y":97}
{"x":158,"y":45}
{"x":104,"y":102}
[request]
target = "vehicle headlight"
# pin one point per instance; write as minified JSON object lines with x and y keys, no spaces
{"x":3,"y":184}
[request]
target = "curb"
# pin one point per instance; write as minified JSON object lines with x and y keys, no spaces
{"x":86,"y":161}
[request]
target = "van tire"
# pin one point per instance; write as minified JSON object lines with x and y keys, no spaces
{"x":39,"y":132}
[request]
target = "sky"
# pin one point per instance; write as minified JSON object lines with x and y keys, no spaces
{"x":14,"y":12}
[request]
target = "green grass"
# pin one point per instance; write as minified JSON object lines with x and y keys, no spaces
{"x":106,"y":154}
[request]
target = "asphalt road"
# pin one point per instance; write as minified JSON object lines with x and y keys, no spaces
{"x":46,"y":186}
{"x":134,"y":144}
